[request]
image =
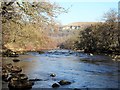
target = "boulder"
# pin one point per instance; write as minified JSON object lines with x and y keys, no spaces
{"x":4,"y":76}
{"x":13,"y":55}
{"x":18,"y":84}
{"x":22,"y":77}
{"x":19,"y":81}
{"x":16,"y":69}
{"x":9,"y":53}
{"x":7,"y":66}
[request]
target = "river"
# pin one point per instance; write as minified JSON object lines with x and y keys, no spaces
{"x":82,"y":69}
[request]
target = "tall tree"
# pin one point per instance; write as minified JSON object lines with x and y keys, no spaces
{"x":40,"y":16}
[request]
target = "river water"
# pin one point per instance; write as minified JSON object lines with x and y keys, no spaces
{"x":82,"y":69}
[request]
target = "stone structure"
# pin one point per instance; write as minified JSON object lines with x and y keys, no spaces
{"x":76,"y":25}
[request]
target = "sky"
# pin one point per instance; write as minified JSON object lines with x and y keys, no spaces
{"x":84,"y":11}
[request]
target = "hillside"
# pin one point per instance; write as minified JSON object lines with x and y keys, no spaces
{"x":81,"y":23}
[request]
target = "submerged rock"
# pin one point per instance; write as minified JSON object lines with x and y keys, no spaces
{"x":35,"y":80}
{"x":89,"y":60}
{"x":16,"y":60}
{"x":55,"y":85}
{"x":64,"y":82}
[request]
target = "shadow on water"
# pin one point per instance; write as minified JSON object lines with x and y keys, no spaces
{"x":82,"y":69}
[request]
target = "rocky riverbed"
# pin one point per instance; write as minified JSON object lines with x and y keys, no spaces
{"x":64,"y":69}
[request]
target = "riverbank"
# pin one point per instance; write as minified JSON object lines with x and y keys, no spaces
{"x":115,"y":54}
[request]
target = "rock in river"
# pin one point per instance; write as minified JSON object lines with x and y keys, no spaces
{"x":4,"y":76}
{"x":52,"y":75}
{"x":18,"y":77}
{"x":64,"y":82}
{"x":18,"y":84}
{"x":16,"y":69}
{"x":7,"y":66}
{"x":41,"y":52}
{"x":22,"y":77}
{"x":19,"y":81}
{"x":55,"y":85}
{"x":9,"y":53}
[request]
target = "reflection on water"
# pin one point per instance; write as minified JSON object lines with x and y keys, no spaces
{"x":83,"y":70}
